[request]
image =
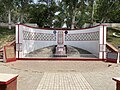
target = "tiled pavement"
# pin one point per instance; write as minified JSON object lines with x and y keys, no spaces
{"x":63,"y":81}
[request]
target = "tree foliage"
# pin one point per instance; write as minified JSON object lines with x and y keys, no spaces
{"x":108,"y":11}
{"x":22,"y":6}
{"x":42,"y":14}
{"x":57,"y":13}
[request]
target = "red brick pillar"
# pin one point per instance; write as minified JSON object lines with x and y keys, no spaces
{"x":8,"y":81}
{"x":117,"y":83}
{"x":118,"y":86}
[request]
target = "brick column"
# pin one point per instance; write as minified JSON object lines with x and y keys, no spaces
{"x":117,"y":83}
{"x":8,"y":81}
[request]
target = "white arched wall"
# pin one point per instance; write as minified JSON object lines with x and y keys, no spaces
{"x":25,"y":43}
{"x":90,"y":44}
{"x":30,"y":38}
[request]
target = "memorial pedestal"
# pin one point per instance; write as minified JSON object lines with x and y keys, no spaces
{"x":117,"y":83}
{"x":8,"y":81}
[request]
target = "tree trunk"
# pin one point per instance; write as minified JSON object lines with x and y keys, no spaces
{"x":73,"y":20}
{"x":92,"y":16}
{"x":92,"y":13}
{"x":21,"y":18}
{"x":9,"y":19}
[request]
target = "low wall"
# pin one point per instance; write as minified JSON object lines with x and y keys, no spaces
{"x":108,"y":24}
{"x":112,"y":24}
{"x":6,"y":25}
{"x":13,"y":25}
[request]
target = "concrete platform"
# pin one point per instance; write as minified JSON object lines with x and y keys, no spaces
{"x":74,"y":75}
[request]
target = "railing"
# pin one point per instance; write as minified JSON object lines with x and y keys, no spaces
{"x":2,"y":51}
{"x":1,"y":54}
{"x":112,"y":53}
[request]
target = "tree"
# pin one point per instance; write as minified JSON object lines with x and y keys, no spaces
{"x":2,"y":9}
{"x":114,"y":12}
{"x":22,"y":6}
{"x":42,"y":14}
{"x":38,"y":14}
{"x":107,"y":10}
{"x":71,"y":10}
{"x":8,"y":6}
{"x":91,"y":10}
{"x":60,"y":16}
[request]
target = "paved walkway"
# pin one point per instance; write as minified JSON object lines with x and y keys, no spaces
{"x":63,"y":81}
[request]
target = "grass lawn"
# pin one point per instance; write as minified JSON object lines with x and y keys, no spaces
{"x":6,"y":35}
{"x":115,"y":41}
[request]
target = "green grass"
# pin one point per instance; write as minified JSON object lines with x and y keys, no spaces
{"x":115,"y":41}
{"x":6,"y":35}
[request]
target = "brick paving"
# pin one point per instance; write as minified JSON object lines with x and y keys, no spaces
{"x":63,"y":81}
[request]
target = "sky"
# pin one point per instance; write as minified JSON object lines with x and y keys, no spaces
{"x":35,"y":1}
